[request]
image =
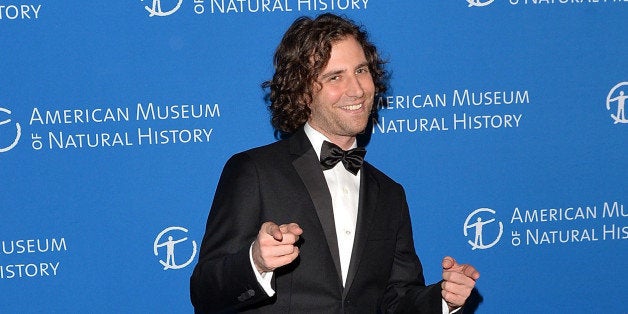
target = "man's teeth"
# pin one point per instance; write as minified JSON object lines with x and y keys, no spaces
{"x":353,"y":107}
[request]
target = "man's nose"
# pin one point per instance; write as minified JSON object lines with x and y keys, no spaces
{"x":355,"y":88}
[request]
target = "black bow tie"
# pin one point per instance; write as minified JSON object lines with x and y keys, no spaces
{"x":352,"y":159}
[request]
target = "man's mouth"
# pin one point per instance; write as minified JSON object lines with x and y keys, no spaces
{"x":352,"y":107}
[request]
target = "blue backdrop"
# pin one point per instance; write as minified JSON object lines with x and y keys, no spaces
{"x":505,"y":124}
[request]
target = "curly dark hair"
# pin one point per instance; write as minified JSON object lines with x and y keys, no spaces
{"x":300,"y":58}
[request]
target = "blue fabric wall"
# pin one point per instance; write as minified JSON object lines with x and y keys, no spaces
{"x":504,"y":126}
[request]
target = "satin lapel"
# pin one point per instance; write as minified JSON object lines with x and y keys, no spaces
{"x":369,"y":190}
{"x":308,"y":168}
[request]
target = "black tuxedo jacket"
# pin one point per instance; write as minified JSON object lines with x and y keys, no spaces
{"x":284,"y":183}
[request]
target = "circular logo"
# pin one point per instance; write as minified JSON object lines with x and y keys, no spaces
{"x":618,"y":96}
{"x":169,"y":243}
{"x":479,"y":222}
{"x":18,"y":131}
{"x":156,"y":10}
{"x":479,"y":3}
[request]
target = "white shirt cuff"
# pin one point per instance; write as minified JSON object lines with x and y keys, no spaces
{"x":263,"y":279}
{"x":445,"y":308}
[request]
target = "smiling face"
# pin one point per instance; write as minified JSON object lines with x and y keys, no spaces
{"x":343,"y":96}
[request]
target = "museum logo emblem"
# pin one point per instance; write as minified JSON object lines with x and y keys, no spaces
{"x":616,"y":101}
{"x":156,"y":9}
{"x":479,"y":3}
{"x":480,"y":227}
{"x":13,"y":135}
{"x":168,"y":239}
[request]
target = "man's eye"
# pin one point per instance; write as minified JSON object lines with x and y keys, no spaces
{"x":362,"y":70}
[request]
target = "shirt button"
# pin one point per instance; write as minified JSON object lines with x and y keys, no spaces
{"x":345,"y":190}
{"x":347,"y":232}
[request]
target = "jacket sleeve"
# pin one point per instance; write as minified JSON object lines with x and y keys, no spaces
{"x":223,"y":279}
{"x":407,"y":292}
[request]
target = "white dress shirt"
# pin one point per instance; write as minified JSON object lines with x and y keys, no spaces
{"x":344,"y":187}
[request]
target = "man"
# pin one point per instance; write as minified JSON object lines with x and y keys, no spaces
{"x":288,"y":233}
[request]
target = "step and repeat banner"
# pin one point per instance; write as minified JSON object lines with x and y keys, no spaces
{"x":505,"y":122}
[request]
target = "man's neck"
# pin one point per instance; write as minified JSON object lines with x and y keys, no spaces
{"x":344,"y":142}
